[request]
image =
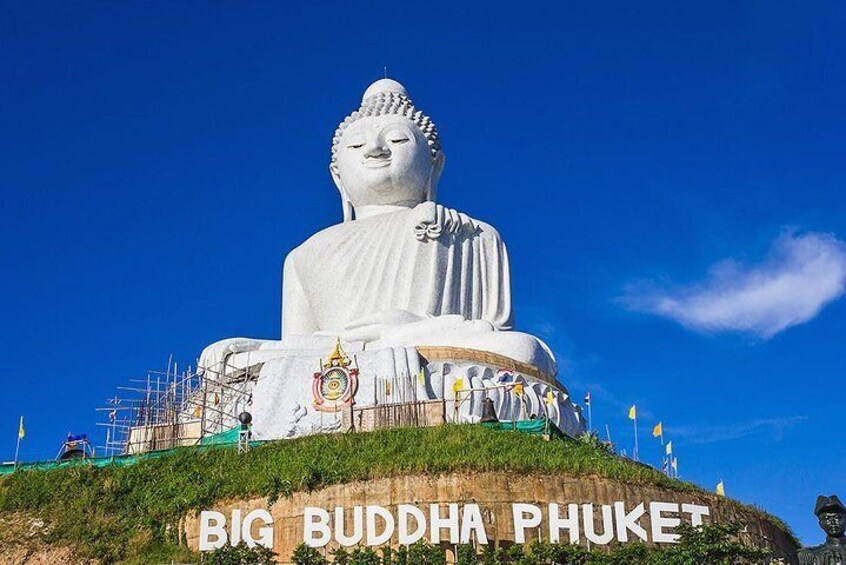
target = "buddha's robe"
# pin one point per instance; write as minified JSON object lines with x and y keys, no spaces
{"x":378,"y":283}
{"x":386,"y":291}
{"x":367,"y":271}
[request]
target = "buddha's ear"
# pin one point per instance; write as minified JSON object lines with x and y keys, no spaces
{"x":437,"y":169}
{"x":346,"y":205}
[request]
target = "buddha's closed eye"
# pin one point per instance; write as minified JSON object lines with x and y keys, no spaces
{"x":356,"y":146}
{"x":399,"y":140}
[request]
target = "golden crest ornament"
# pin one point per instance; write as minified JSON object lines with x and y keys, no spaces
{"x":335,"y":385}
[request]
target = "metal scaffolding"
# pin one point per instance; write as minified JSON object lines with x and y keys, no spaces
{"x":173,"y":408}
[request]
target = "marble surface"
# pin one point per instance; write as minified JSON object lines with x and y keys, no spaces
{"x":282,"y":396}
{"x":399,"y":271}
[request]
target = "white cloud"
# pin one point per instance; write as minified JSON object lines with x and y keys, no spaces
{"x":729,"y":432}
{"x":800,"y":275}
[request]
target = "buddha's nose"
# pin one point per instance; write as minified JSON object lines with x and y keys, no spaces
{"x":376,"y":150}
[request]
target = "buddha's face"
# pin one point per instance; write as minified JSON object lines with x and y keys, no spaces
{"x":833,"y":523}
{"x":384,"y":160}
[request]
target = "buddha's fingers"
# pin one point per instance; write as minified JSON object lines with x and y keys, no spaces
{"x":421,"y":231}
{"x":467,"y":223}
{"x":440,"y":215}
{"x":425,"y":213}
{"x":455,"y":222}
{"x":433,"y":231}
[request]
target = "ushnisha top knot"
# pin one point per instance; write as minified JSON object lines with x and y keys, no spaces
{"x":384,"y":85}
{"x":387,"y":96}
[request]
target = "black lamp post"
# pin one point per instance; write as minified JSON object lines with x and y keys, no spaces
{"x":244,"y":434}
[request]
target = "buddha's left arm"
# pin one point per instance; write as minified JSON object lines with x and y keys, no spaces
{"x":496,"y":304}
{"x":297,"y":316}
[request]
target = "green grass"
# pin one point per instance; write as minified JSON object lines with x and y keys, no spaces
{"x":125,"y":513}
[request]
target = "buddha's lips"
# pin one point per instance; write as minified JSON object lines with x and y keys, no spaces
{"x":376,"y":163}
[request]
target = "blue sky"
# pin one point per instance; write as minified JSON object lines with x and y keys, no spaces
{"x":669,"y":180}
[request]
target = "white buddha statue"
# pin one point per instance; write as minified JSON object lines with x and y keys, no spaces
{"x":400,"y":271}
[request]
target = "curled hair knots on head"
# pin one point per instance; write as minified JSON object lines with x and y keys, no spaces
{"x":388,"y":103}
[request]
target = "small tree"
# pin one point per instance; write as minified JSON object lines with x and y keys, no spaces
{"x":423,"y":553}
{"x":715,"y":544}
{"x":241,"y":554}
{"x":364,"y":556}
{"x":592,"y":439}
{"x":305,"y":555}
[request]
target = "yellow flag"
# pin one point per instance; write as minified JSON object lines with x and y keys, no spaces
{"x":458,"y":385}
{"x":518,"y":389}
{"x":721,"y":489}
{"x":550,"y":398}
{"x":669,"y":448}
{"x":21,"y":430}
{"x":633,"y":412}
{"x":658,"y":431}
{"x":421,"y":376}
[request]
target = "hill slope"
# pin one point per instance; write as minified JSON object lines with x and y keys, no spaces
{"x":132,"y":512}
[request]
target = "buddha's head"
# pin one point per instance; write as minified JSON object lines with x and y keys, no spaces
{"x":386,"y":153}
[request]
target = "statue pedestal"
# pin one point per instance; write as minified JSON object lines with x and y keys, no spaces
{"x":286,"y":400}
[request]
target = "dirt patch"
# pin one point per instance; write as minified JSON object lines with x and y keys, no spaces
{"x":21,"y":543}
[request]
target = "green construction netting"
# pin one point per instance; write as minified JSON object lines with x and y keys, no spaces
{"x":227,"y":437}
{"x":230,"y":438}
{"x":223,"y":439}
{"x":531,"y":427}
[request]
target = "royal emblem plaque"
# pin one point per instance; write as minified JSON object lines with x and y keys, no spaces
{"x":336,"y":383}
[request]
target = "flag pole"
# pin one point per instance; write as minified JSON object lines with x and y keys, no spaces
{"x":590,"y":415}
{"x":668,"y":455}
{"x":636,"y":458}
{"x":672,"y":458}
{"x":18,"y":445}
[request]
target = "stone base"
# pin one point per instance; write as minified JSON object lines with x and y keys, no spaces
{"x":495,"y":493}
{"x":283,"y":404}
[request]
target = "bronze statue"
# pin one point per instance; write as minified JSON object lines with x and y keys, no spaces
{"x":832,"y":515}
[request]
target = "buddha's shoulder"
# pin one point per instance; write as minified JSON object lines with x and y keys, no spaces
{"x":321,"y":238}
{"x":486,"y":230}
{"x":386,"y":225}
{"x":343,"y":231}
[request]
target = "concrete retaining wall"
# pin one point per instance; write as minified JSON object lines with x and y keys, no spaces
{"x":494,"y":492}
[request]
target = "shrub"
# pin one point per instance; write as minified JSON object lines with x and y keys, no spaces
{"x":715,"y":544}
{"x":305,"y":555}
{"x":241,"y":554}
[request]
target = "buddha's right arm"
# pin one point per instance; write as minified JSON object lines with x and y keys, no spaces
{"x":296,"y":320}
{"x":214,"y":356}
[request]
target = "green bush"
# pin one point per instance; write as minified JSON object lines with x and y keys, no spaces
{"x":240,"y":554}
{"x":715,"y":544}
{"x":305,"y":555}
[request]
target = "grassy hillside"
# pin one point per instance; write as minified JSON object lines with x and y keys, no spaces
{"x":131,"y":513}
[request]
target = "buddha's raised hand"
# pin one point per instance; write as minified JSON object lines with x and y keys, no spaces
{"x":431,"y":220}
